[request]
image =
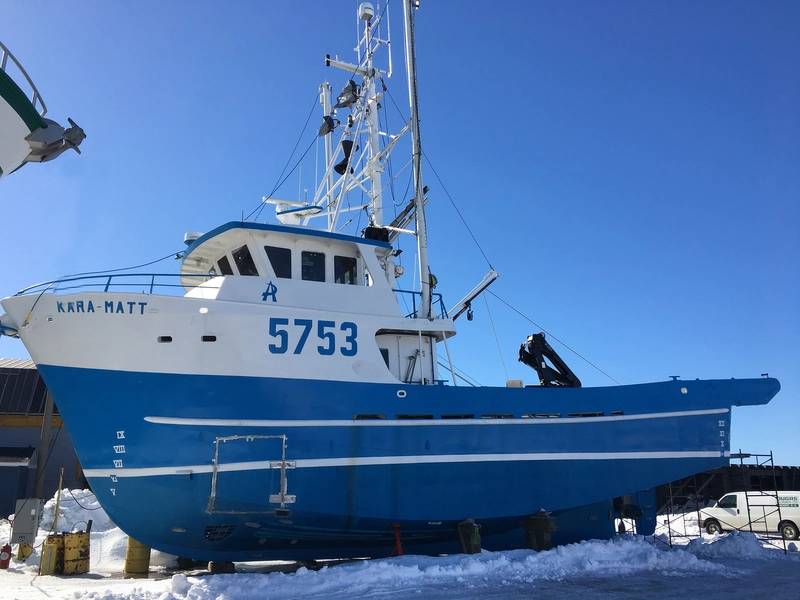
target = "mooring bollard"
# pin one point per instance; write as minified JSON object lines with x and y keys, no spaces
{"x":137,"y":558}
{"x":539,"y":529}
{"x":469,"y":532}
{"x":215,"y":566}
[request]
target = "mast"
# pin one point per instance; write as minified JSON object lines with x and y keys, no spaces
{"x":416,"y":161}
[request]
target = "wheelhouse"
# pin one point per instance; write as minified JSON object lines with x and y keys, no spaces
{"x":315,"y":270}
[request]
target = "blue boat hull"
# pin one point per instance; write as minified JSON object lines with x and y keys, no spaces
{"x":147,"y":441}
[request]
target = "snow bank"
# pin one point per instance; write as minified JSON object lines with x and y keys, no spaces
{"x":108,"y":542}
{"x":736,"y":544}
{"x":517,"y":568}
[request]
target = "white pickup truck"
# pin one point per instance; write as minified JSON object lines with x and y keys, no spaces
{"x":767,"y":513}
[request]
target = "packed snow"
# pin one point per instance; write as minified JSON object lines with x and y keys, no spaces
{"x":108,"y":542}
{"x":737,"y":565}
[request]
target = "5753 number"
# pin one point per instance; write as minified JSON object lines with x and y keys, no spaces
{"x":296,"y":337}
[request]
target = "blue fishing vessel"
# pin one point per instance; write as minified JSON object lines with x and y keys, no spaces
{"x":280,"y":397}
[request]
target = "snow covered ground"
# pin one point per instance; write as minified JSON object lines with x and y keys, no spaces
{"x":734,"y":566}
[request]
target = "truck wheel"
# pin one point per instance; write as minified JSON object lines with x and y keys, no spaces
{"x":788,"y":530}
{"x":713,"y":526}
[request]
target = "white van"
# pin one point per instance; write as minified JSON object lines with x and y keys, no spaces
{"x":765,"y":514}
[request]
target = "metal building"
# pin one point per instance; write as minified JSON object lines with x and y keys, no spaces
{"x":22,"y":406}
{"x":710,"y":486}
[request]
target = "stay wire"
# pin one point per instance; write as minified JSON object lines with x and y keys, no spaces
{"x":474,"y":239}
{"x":260,"y":206}
{"x":563,"y":343}
{"x":282,"y":181}
{"x":496,"y":339}
{"x":175,"y":254}
{"x":458,"y":212}
{"x":444,"y":188}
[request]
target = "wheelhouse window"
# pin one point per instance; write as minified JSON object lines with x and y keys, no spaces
{"x":224,"y":266}
{"x":344,"y":270}
{"x":313,"y":265}
{"x":281,"y":261}
{"x":244,"y":261}
{"x":728,"y":501}
{"x":385,"y":355}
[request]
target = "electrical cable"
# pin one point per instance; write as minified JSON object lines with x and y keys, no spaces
{"x":81,"y":505}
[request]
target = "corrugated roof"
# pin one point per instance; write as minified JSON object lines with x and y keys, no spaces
{"x":16,"y":363}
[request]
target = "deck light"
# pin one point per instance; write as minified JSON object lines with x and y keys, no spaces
{"x":328,"y":125}
{"x":348,"y":96}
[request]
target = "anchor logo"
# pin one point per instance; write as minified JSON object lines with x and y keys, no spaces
{"x":270,"y":292}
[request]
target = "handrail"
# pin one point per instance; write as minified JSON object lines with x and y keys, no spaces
{"x":149,"y":282}
{"x":436,"y":299}
{"x":5,"y":54}
{"x":106,"y":282}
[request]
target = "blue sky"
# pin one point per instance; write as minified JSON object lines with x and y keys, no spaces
{"x":630,"y":168}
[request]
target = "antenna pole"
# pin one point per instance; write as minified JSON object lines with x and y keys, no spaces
{"x":371,"y":107}
{"x":416,"y":160}
{"x":325,"y":100}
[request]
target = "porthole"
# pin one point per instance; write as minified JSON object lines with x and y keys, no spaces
{"x":401,"y":393}
{"x":209,"y":338}
{"x":215,"y":533}
{"x":164,"y":339}
{"x":585,"y":414}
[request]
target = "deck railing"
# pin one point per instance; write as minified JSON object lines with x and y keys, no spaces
{"x":148,"y":283}
{"x":145,"y":283}
{"x":33,"y":93}
{"x":436,"y":302}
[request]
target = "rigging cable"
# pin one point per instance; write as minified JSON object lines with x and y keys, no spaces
{"x":176,"y":254}
{"x":458,"y":212}
{"x":496,"y":339}
{"x":458,"y":374}
{"x":444,"y":188}
{"x":260,"y":206}
{"x":474,"y":239}
{"x":575,"y":352}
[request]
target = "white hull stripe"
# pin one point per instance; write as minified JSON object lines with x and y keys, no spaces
{"x":421,"y":422}
{"x":366,"y":461}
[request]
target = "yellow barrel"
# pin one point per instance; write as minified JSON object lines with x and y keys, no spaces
{"x":52,"y":561}
{"x":76,"y":553}
{"x":137,"y":558}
